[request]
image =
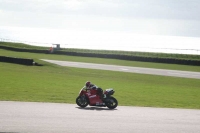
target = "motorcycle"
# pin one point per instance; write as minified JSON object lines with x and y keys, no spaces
{"x":91,"y":97}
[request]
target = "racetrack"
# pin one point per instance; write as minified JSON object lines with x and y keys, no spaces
{"x":162,"y":72}
{"x":31,"y":117}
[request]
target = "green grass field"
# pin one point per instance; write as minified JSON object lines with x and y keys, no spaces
{"x":52,"y":83}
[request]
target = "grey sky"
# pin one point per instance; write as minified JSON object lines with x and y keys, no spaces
{"x":162,"y":17}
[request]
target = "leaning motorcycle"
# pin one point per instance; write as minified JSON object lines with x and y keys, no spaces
{"x":90,"y":97}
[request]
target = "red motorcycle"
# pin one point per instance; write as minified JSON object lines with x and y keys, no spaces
{"x":92,"y":98}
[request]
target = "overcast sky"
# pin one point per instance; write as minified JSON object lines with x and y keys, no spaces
{"x":155,"y":17}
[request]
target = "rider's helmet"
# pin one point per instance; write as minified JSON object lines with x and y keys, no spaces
{"x":87,"y":84}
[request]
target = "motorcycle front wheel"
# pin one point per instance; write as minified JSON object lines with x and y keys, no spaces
{"x":81,"y":101}
{"x":112,"y":103}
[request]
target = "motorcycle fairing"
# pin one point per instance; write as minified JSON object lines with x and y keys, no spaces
{"x":94,"y":99}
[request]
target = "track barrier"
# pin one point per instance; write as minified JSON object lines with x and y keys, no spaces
{"x":15,"y":60}
{"x":111,"y":56}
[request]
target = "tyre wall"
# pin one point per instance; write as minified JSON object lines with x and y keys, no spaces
{"x":16,"y":60}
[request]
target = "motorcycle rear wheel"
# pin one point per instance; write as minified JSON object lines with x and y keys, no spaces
{"x":81,"y":101}
{"x":112,"y":103}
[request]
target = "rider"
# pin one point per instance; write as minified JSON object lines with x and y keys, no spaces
{"x":90,"y":86}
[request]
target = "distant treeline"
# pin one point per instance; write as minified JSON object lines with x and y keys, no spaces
{"x":112,"y":56}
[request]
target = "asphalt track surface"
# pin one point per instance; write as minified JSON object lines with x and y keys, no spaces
{"x":31,"y":117}
{"x":152,"y":71}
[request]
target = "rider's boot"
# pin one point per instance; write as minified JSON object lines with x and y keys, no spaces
{"x":103,"y":96}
